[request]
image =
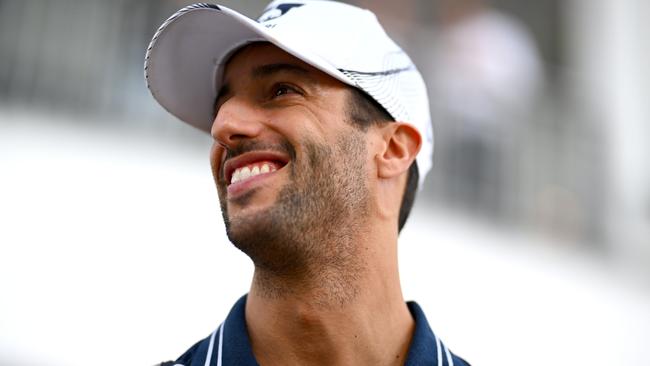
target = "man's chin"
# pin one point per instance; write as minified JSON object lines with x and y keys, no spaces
{"x":242,"y":201}
{"x":254,"y":234}
{"x":245,"y":216}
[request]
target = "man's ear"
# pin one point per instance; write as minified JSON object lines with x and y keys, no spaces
{"x":402,"y":142}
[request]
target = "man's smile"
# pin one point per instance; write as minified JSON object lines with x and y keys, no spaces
{"x":250,"y":171}
{"x":247,"y":170}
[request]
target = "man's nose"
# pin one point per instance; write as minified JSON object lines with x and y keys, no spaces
{"x":236,"y":120}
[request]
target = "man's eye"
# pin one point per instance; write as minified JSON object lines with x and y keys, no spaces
{"x":280,"y":90}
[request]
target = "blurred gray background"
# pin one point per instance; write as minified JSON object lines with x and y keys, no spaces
{"x":541,"y":125}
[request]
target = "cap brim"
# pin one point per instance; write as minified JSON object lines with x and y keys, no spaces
{"x":186,"y":57}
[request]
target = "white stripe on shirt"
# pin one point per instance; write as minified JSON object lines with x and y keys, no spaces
{"x":220,"y":359}
{"x":438,"y":351}
{"x":450,"y":361}
{"x":208,"y":357}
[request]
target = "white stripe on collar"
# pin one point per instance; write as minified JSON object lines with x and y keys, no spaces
{"x":208,"y":357}
{"x":219,"y":360}
{"x":450,"y":361}
{"x":438,"y":351}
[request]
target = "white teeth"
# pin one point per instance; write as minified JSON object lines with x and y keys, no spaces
{"x":247,"y":172}
{"x":235,"y":177}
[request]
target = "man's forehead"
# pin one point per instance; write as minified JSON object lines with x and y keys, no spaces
{"x":246,"y":59}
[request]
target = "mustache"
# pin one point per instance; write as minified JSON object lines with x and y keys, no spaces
{"x":247,"y":146}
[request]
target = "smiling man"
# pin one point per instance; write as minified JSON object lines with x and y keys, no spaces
{"x":321,"y":137}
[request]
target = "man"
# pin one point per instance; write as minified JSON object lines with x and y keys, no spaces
{"x":321,"y":128}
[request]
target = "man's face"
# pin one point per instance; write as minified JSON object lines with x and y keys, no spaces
{"x":290,"y":168}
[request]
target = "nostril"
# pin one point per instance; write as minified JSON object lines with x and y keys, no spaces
{"x":237,"y":137}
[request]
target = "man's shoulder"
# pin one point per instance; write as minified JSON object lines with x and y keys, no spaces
{"x":459,"y":361}
{"x":454,"y":360}
{"x":195,"y":355}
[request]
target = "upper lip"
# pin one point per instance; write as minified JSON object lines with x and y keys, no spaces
{"x":244,"y":159}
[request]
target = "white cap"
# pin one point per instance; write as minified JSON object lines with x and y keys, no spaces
{"x":185,"y":60}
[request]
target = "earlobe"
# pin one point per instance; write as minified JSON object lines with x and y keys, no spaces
{"x":402,"y":144}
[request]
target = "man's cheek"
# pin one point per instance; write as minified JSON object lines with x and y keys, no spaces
{"x":216,"y":167}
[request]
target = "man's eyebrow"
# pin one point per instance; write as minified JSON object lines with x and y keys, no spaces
{"x":271,"y":69}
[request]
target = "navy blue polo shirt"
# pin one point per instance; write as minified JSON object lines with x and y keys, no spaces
{"x":228,"y":345}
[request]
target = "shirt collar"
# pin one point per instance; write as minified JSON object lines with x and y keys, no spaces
{"x":425,"y":348}
{"x":237,"y":348}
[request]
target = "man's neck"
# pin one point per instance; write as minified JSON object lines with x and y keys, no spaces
{"x":334,"y":319}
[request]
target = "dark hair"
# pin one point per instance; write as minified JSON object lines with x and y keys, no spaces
{"x":365,"y":112}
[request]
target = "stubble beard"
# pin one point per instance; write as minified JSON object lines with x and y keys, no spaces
{"x":307,"y":240}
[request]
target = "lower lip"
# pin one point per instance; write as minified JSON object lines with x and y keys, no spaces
{"x":239,"y":188}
